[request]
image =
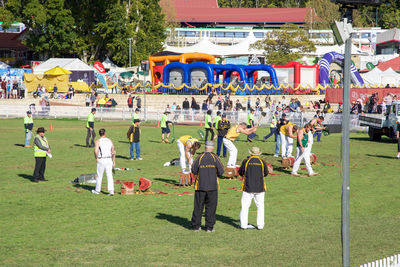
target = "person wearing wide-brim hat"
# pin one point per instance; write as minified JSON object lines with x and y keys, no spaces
{"x":41,"y":150}
{"x":253,"y":170}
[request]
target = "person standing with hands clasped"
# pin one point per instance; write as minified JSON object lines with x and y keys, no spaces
{"x":41,"y":151}
{"x":90,"y":128}
{"x":253,"y":170}
{"x":104,"y":153}
{"x":207,"y":167}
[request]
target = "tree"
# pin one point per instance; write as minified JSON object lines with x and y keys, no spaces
{"x":285,"y":45}
{"x":390,"y":14}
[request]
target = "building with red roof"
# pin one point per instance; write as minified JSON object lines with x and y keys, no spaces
{"x":206,"y":13}
{"x":393,"y":63}
{"x":11,"y":48}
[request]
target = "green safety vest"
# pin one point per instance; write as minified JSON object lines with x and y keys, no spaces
{"x":164,"y":119}
{"x":135,"y":117}
{"x":28,"y":120}
{"x":250,"y":117}
{"x":207,"y":121}
{"x":273,"y":122}
{"x":216,"y":120}
{"x":37,"y":151}
{"x":90,"y":118}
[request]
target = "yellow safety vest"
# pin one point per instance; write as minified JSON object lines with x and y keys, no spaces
{"x":232,"y":133}
{"x":37,"y":151}
{"x":187,"y":138}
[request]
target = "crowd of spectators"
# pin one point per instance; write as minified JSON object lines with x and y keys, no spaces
{"x":11,"y":89}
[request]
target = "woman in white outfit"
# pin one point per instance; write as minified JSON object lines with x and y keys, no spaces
{"x":104,"y":153}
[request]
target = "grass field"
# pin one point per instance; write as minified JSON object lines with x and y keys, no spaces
{"x":55,"y":223}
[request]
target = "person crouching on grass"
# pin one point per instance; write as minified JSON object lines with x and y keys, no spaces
{"x":253,"y":170}
{"x":303,"y":151}
{"x":207,"y":167}
{"x":134,"y":136}
{"x":187,"y":145}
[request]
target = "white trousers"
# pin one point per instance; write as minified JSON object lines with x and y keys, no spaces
{"x":105,"y":165}
{"x":310,"y":141}
{"x":244,"y":212}
{"x":182,"y":159}
{"x":299,"y":157}
{"x":232,"y":152}
{"x":286,"y":145}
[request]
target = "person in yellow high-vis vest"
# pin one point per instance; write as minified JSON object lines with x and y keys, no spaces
{"x":28,"y":125}
{"x":90,"y":128}
{"x":41,"y":150}
{"x":208,"y":125}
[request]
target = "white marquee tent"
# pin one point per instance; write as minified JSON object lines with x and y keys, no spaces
{"x":378,"y":77}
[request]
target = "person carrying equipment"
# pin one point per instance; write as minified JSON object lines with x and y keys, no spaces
{"x":104,"y":153}
{"x":135,"y":115}
{"x":303,"y":151}
{"x":90,"y":128}
{"x":231,"y":135}
{"x":208,"y":125}
{"x":287,"y":136}
{"x":207,"y":167}
{"x":250,"y":124}
{"x":28,"y":125}
{"x":223,"y":127}
{"x":253,"y":170}
{"x":272,"y":127}
{"x":164,"y":127}
{"x":41,"y":150}
{"x":187,"y":146}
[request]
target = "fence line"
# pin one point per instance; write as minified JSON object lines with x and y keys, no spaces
{"x":391,"y":261}
{"x":152,"y":115}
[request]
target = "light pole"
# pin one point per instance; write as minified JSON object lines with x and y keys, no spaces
{"x":130,"y":51}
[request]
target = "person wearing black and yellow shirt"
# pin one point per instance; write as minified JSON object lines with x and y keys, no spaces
{"x":187,"y":145}
{"x":207,"y":167}
{"x":231,"y":135}
{"x":287,"y":133}
{"x":90,"y":128}
{"x":253,"y":170}
{"x":223,"y":127}
{"x":28,"y":125}
{"x":134,"y":139}
{"x":41,"y":150}
{"x":303,"y":151}
{"x":250,"y":124}
{"x":164,"y":127}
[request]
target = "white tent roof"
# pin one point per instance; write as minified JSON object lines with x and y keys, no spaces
{"x":323,"y":49}
{"x":108,"y":64}
{"x":71,"y":64}
{"x":3,"y":65}
{"x":378,"y":77}
{"x":207,"y":47}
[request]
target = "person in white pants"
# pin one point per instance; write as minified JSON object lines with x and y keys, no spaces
{"x":303,"y":151}
{"x":287,"y":134}
{"x":104,"y":153}
{"x":187,"y":146}
{"x":253,"y":170}
{"x":232,"y":134}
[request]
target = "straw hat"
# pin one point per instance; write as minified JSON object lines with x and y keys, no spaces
{"x":255,"y":151}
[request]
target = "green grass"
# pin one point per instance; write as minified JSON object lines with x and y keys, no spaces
{"x":51,"y":224}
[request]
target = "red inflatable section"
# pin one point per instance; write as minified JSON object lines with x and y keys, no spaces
{"x":297,"y":72}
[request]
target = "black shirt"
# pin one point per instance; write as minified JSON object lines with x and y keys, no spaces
{"x":253,"y":170}
{"x":185,"y":104}
{"x":280,"y":123}
{"x":133,"y":134}
{"x":206,"y":168}
{"x":223,"y":127}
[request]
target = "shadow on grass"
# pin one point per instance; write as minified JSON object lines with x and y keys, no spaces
{"x":154,"y":141}
{"x":167,"y":181}
{"x":381,"y":156}
{"x":383,"y":140}
{"x":125,"y":142}
{"x":228,"y":220}
{"x":267,"y":154}
{"x":184,"y":222}
{"x":122,"y":157}
{"x":281,"y":169}
{"x":84,"y":186}
{"x":27,"y":177}
{"x":21,"y":145}
{"x":79,"y":145}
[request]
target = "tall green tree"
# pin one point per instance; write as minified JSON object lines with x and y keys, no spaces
{"x":50,"y":25}
{"x":285,"y":45}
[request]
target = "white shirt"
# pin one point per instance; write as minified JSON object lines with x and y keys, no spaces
{"x":105,"y":146}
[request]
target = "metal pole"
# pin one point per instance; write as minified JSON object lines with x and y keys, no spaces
{"x":345,"y":156}
{"x":130,"y":51}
